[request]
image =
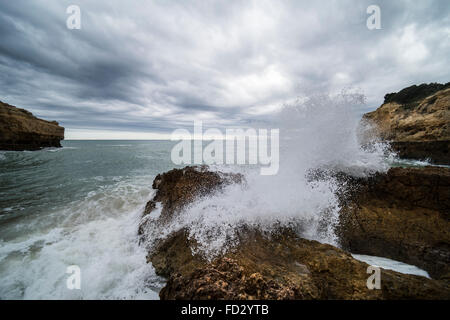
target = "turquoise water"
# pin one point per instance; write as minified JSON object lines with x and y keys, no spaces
{"x":77,"y":205}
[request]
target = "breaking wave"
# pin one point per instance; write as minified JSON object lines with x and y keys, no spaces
{"x":96,"y":233}
{"x":317,"y":134}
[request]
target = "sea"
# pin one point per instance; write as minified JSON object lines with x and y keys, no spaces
{"x":78,"y":207}
{"x":81,"y":205}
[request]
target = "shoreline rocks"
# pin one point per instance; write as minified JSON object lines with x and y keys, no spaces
{"x":403,"y":215}
{"x":179,"y":187}
{"x":284,"y":266}
{"x":416,"y":121}
{"x":20,"y":130}
{"x":279,"y":265}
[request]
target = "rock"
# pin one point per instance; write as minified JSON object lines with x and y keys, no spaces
{"x":279,"y":265}
{"x":417,"y":122}
{"x":403,"y":215}
{"x":411,"y":96}
{"x":20,"y":130}
{"x":283,"y":266}
{"x":178,"y":187}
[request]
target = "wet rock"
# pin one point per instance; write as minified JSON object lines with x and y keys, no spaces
{"x":282,"y":266}
{"x":403,"y":215}
{"x":279,"y":265}
{"x":179,"y":187}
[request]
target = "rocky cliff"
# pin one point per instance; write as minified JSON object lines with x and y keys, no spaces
{"x":279,"y":265}
{"x":417,"y":122}
{"x":403,"y":215}
{"x":20,"y":130}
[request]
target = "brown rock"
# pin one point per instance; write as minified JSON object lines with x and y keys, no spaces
{"x":20,"y":130}
{"x":178,"y":187}
{"x":282,"y":266}
{"x":261,"y":266}
{"x":417,"y":122}
{"x":403,"y":215}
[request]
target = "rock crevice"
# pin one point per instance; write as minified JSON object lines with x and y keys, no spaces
{"x":402,"y":215}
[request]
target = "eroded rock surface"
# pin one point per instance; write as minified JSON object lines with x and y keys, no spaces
{"x":179,"y":187}
{"x":282,"y":266}
{"x":403,"y":215}
{"x":20,"y":130}
{"x":264,"y":266}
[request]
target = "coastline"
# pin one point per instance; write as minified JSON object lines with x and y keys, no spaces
{"x":240,"y":274}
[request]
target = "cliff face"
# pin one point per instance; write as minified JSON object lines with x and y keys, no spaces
{"x":20,"y":130}
{"x":417,"y":122}
{"x":403,"y":215}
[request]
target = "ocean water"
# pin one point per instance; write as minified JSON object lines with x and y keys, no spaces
{"x":81,"y":205}
{"x":78,"y":205}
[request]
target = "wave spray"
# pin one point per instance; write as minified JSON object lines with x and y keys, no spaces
{"x":317,"y":133}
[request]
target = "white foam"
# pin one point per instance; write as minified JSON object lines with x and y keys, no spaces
{"x":389,"y":264}
{"x":316,"y":133}
{"x":415,"y":163}
{"x":99,"y":234}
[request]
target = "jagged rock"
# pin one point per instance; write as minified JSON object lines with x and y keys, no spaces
{"x":417,"y":122}
{"x":283,"y":266}
{"x":403,"y":215}
{"x":178,"y":187}
{"x":20,"y":130}
{"x":276,"y":266}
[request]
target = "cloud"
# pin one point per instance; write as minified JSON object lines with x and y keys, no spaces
{"x":153,"y":66}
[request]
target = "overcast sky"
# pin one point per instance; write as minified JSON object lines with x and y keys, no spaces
{"x":140,"y":69}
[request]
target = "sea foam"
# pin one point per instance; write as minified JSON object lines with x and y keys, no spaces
{"x":98,"y":234}
{"x":317,"y":133}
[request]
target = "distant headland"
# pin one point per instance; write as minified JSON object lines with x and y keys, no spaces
{"x":20,"y":130}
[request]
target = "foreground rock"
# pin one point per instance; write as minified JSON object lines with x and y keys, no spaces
{"x":179,"y":187}
{"x":417,"y":122}
{"x":403,"y":215}
{"x":20,"y":130}
{"x":279,"y":266}
{"x":284,"y":267}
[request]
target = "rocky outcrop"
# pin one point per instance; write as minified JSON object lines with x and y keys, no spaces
{"x":279,"y":265}
{"x":282,"y":266}
{"x":403,"y":215}
{"x":20,"y":130}
{"x":416,"y":121}
{"x":179,"y":187}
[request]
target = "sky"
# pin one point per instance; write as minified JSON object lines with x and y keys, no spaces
{"x":141,"y":69}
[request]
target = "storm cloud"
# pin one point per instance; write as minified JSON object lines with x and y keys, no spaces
{"x":150,"y":67}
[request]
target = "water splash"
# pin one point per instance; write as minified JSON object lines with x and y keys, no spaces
{"x":318,"y":133}
{"x":97,"y":233}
